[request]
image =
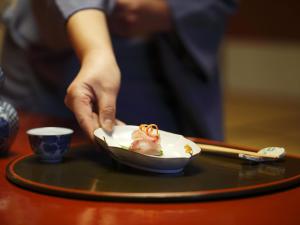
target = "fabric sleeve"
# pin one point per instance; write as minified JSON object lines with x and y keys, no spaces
{"x":69,"y":7}
{"x":200,"y":25}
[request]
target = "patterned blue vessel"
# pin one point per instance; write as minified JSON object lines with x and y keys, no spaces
{"x":50,"y":149}
{"x":9,"y":122}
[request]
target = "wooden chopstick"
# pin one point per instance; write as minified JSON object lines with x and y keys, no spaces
{"x":226,"y":150}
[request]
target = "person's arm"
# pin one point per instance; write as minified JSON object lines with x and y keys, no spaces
{"x":92,"y":94}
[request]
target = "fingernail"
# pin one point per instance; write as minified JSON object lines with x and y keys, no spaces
{"x":107,"y":125}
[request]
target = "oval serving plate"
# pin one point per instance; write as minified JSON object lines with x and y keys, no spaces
{"x":173,"y":160}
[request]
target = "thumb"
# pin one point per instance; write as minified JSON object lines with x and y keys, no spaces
{"x":107,"y":111}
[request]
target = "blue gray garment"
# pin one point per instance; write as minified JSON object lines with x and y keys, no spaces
{"x":171,"y":79}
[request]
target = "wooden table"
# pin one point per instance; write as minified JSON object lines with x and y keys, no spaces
{"x":20,"y":206}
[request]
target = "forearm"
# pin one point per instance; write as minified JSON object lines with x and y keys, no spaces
{"x":88,"y":33}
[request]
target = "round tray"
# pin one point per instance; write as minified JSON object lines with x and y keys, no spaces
{"x":90,"y":174}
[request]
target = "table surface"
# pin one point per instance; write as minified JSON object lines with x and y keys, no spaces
{"x":20,"y":206}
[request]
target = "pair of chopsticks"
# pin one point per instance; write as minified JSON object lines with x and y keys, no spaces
{"x":232,"y":151}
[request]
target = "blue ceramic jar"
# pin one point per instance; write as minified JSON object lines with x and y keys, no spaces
{"x":9,"y":121}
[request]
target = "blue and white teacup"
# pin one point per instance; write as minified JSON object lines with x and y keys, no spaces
{"x":50,"y":143}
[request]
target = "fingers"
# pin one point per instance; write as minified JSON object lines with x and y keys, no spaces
{"x":107,"y":110}
{"x":80,"y":104}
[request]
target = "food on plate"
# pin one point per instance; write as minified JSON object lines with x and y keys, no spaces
{"x":146,"y":140}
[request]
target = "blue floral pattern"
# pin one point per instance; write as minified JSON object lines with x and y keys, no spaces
{"x":9,"y":121}
{"x":50,"y":148}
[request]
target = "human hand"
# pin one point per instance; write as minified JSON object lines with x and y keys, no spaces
{"x":92,"y":94}
{"x":132,"y":18}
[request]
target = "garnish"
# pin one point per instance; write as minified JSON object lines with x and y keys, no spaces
{"x":161,"y":153}
{"x":188,"y":149}
{"x":151,"y":130}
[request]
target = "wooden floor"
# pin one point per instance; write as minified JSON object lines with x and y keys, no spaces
{"x":260,"y":122}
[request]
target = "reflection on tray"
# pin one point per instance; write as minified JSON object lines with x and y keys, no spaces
{"x":248,"y":170}
{"x":251,"y":171}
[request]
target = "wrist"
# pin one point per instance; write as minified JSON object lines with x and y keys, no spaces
{"x":94,"y":58}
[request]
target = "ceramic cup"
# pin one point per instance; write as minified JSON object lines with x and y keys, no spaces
{"x":50,"y":143}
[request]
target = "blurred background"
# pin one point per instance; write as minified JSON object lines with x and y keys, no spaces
{"x":261,"y":66}
{"x":260,"y":60}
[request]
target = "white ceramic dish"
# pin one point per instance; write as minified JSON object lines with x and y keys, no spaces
{"x":173,"y":159}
